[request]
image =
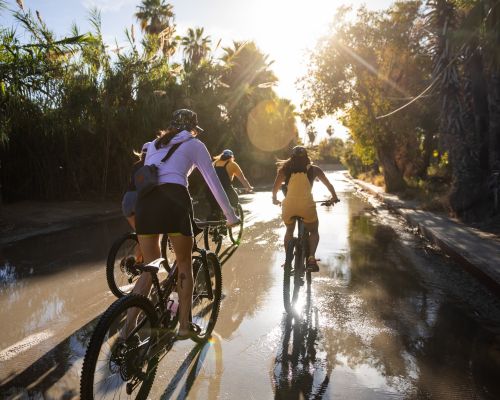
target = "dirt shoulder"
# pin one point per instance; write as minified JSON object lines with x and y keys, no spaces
{"x":26,"y":219}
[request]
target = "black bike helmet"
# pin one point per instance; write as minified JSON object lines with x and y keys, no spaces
{"x":299,"y":151}
{"x":185,"y":119}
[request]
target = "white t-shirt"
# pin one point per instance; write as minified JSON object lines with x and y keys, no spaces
{"x":192,"y":153}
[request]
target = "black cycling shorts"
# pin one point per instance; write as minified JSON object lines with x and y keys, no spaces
{"x":165,"y":209}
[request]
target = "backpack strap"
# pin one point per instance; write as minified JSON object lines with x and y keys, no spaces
{"x":311,"y":173}
{"x":171,"y":151}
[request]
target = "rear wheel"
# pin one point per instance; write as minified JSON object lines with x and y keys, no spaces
{"x":207,"y":292}
{"x":121,"y":272}
{"x":292,"y":275}
{"x":123,"y":258}
{"x":236,"y":232}
{"x":117,"y":363}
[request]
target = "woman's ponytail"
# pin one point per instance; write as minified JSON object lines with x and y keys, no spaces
{"x":165,"y":136}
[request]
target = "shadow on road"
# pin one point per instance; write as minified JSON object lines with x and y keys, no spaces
{"x":192,"y":366}
{"x":51,"y":367}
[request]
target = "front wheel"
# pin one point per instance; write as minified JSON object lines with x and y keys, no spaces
{"x":207,"y":293}
{"x":236,"y":232}
{"x":117,"y":363}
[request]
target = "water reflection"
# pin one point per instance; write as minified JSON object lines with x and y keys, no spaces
{"x":300,"y":371}
{"x":408,"y":337}
{"x":48,"y":280}
{"x":247,"y":279}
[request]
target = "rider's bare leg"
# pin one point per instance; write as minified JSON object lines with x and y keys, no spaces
{"x":312,"y":228}
{"x":151,"y":251}
{"x":183,"y":246}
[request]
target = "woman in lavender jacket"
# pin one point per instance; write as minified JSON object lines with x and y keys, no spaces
{"x":167,"y":209}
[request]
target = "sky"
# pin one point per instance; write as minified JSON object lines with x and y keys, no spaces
{"x":284,"y":29}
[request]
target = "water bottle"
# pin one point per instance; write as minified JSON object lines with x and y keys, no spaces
{"x":173,"y":304}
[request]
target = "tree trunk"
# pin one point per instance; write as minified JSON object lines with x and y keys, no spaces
{"x":428,"y":147}
{"x":476,"y":97}
{"x":393,"y":177}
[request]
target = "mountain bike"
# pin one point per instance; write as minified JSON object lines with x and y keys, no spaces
{"x":125,"y":257}
{"x":122,"y":361}
{"x":294,"y":268}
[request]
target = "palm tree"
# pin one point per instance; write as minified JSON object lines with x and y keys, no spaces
{"x":154,"y":16}
{"x":196,"y":46}
{"x":156,"y":20}
{"x":247,"y":73}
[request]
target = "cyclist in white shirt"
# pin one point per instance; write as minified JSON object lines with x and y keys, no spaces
{"x":167,"y":208}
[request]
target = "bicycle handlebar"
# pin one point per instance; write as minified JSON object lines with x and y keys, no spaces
{"x":327,"y":202}
{"x":203,"y":224}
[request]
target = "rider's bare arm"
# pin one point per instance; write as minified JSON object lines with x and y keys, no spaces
{"x":242,"y":178}
{"x":322,"y":177}
{"x":280,"y":178}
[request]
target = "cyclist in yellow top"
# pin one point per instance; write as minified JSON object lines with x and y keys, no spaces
{"x":226,"y":169}
{"x":298,"y":174}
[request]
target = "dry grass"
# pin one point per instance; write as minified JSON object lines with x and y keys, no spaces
{"x":375,"y":179}
{"x":431,"y":193}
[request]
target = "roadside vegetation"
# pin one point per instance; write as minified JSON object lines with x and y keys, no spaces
{"x":73,"y":109}
{"x":418,"y":87}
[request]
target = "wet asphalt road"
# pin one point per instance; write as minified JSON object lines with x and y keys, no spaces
{"x":389,"y":316}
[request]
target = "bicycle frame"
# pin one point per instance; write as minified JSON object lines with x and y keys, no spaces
{"x":163,"y":290}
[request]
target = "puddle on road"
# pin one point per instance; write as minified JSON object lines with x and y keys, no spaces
{"x":388,"y":317}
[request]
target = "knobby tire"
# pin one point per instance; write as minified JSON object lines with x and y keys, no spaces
{"x":236,"y":232}
{"x":207,"y":293}
{"x":113,"y":264}
{"x":291,"y":274}
{"x":108,"y":324}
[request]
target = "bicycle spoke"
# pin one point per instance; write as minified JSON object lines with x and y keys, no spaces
{"x":111,"y":363}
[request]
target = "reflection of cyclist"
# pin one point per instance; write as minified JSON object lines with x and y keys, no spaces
{"x":297,"y":370}
{"x":226,"y":169}
{"x":298,"y":174}
{"x":167,"y":208}
{"x":130,"y":197}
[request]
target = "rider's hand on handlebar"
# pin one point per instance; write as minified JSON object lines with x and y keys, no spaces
{"x":330,"y":202}
{"x":276,"y":202}
{"x":233,"y":222}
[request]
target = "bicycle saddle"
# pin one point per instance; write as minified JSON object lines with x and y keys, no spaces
{"x":153,"y":266}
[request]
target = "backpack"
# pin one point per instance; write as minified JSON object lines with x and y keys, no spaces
{"x":146,"y":177}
